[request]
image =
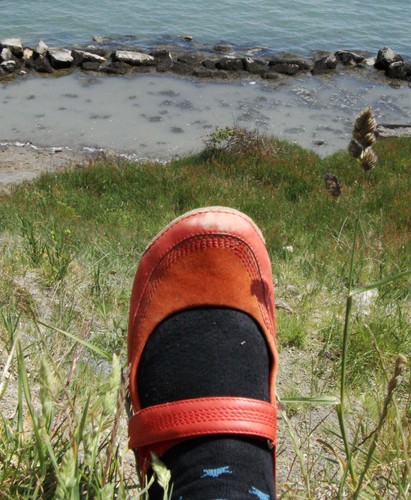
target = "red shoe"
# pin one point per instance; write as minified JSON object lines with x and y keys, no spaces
{"x":213,"y":256}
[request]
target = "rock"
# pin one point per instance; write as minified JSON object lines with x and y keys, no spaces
{"x":230,"y":64}
{"x":40,"y":64}
{"x":222,"y":48}
{"x":28,"y":54}
{"x":288,"y":66}
{"x":270,"y":75}
{"x":324,"y":65}
{"x":188,"y":38}
{"x":102,"y":40}
{"x":42,"y":48}
{"x":285,"y":68}
{"x":350,"y":58}
{"x":399,"y":70}
{"x":164,"y":60}
{"x":182,"y":68}
{"x":14,"y":44}
{"x":133,"y":58}
{"x":209,"y":64}
{"x":90,"y":66}
{"x":207,"y":73}
{"x":81,"y":56}
{"x":385,"y":57}
{"x":253,"y":66}
{"x":115,"y":68}
{"x":6,"y":55}
{"x":393,"y":130}
{"x":60,"y":58}
{"x":8,"y":66}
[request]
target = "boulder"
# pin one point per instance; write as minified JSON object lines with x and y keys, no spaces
{"x":164,"y":59}
{"x":39,"y":63}
{"x":222,"y":48}
{"x":270,"y":75}
{"x":285,"y":68}
{"x":14,"y":44}
{"x":288,"y":66}
{"x":42,"y":48}
{"x":81,"y":56}
{"x":254,"y":66}
{"x":230,"y":64}
{"x":324,"y":65}
{"x":115,"y":68}
{"x":133,"y":58}
{"x":182,"y":68}
{"x":386,"y":57}
{"x":8,"y":66}
{"x":6,"y":55}
{"x":60,"y":58}
{"x":350,"y":58}
{"x":90,"y":66}
{"x":399,"y":70}
{"x":28,"y":54}
{"x":209,"y":64}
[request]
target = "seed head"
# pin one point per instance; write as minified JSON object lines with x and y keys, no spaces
{"x":332,"y":185}
{"x":368,"y":159}
{"x":365,"y":128}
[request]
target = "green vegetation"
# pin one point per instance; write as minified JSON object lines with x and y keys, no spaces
{"x":70,"y":244}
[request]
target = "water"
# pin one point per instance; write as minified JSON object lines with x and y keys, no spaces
{"x":297,"y":26}
{"x":159,"y":117}
{"x":151,"y":116}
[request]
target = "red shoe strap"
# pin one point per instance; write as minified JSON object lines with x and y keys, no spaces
{"x":200,"y":417}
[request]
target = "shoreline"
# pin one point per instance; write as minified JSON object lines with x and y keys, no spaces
{"x":184,"y":57}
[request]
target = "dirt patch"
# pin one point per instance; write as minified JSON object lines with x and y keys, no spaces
{"x":24,"y":162}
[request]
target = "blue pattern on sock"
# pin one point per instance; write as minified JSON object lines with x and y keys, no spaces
{"x":258,"y":493}
{"x":216,"y":472}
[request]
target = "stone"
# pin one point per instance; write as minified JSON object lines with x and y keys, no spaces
{"x":270,"y":75}
{"x":350,"y":58}
{"x":253,"y":66}
{"x":398,"y":70}
{"x":182,"y":68}
{"x":385,"y":57}
{"x":40,"y":64}
{"x":60,"y":58}
{"x":101,"y":40}
{"x":14,"y":44}
{"x":42,"y":48}
{"x":6,"y":54}
{"x":8,"y":66}
{"x":90,"y":66}
{"x":188,"y":38}
{"x":133,"y":58}
{"x":209,"y":64}
{"x":324,"y":65}
{"x":28,"y":54}
{"x":222,"y":48}
{"x":82,"y":56}
{"x":285,"y":68}
{"x":288,"y":66}
{"x":115,"y":68}
{"x":230,"y":64}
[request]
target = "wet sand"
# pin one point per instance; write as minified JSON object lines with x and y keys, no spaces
{"x":161,"y":117}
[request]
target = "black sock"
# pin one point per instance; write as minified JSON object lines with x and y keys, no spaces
{"x":210,"y":352}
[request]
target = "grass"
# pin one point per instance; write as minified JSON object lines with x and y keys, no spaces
{"x":70,"y":244}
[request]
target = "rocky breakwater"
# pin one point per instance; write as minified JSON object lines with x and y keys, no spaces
{"x":222,"y":62}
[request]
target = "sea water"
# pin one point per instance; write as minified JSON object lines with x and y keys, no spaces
{"x":298,"y":26}
{"x":153,"y":116}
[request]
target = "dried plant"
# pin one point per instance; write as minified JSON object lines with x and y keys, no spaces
{"x":332,"y":185}
{"x":360,"y":146}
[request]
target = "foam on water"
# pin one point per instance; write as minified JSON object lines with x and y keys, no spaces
{"x":158,"y":117}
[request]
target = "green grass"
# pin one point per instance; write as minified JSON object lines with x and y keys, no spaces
{"x":70,"y":244}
